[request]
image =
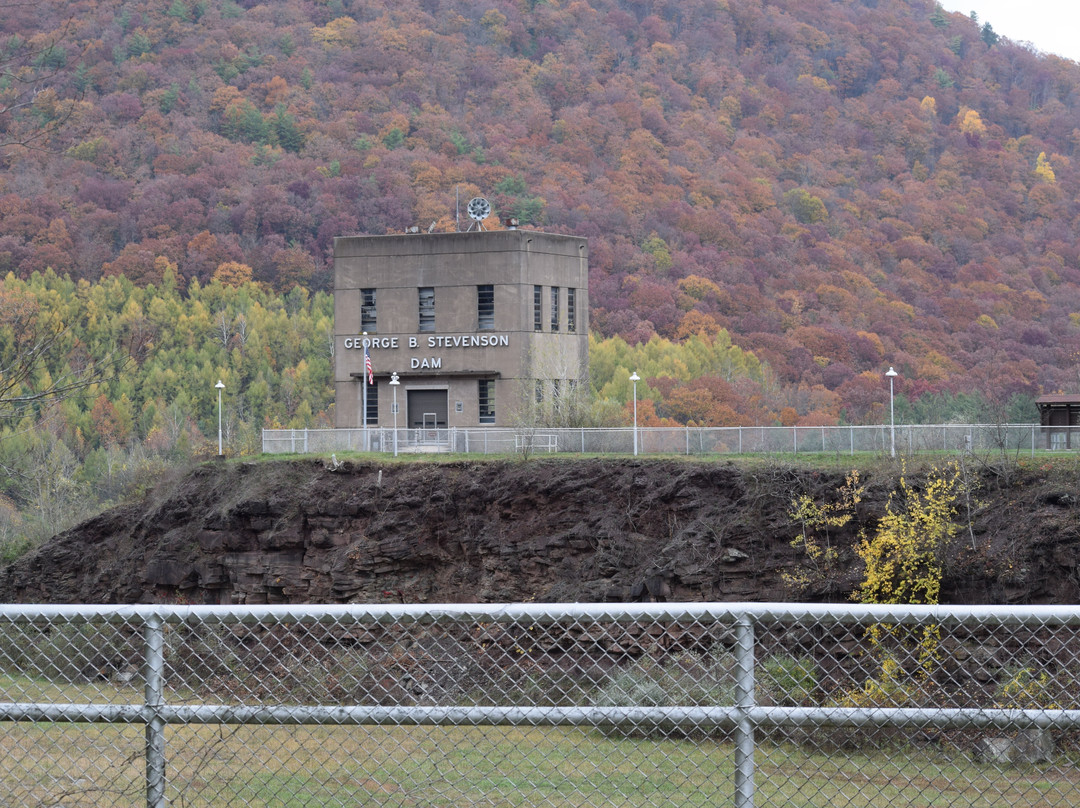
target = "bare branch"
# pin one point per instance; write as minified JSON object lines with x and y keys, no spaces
{"x":31,"y":110}
{"x":29,"y":339}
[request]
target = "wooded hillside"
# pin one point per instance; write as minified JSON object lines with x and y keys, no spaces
{"x":841,"y":185}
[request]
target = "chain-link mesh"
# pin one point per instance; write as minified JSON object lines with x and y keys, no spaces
{"x":556,"y":705}
{"x":902,"y":440}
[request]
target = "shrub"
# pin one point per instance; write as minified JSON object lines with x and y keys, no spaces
{"x":69,"y":653}
{"x":690,"y":680}
{"x":822,"y":570}
{"x":786,"y":680}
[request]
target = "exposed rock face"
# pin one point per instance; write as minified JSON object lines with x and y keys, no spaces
{"x":503,"y":531}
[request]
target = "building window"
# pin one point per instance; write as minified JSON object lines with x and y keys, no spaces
{"x":485,"y":307}
{"x":427,"y":308}
{"x":554,"y":308}
{"x":372,"y":404}
{"x":368,"y":320}
{"x":571,"y":311}
{"x":487,"y":401}
{"x":539,"y":391}
{"x":538,"y":305}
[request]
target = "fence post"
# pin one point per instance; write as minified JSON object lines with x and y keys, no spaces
{"x":155,"y":725}
{"x":744,"y":730}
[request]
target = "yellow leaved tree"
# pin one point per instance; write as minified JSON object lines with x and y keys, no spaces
{"x":904,"y":559}
{"x":905,"y":564}
{"x":971,"y":123}
{"x":1043,"y":170}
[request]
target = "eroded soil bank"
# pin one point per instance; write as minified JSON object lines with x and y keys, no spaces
{"x":582,"y":530}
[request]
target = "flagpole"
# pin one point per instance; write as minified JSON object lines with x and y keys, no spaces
{"x":363,"y":404}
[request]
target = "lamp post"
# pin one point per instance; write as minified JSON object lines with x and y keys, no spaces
{"x":220,"y":386}
{"x":394,"y":384}
{"x":892,"y":417}
{"x":635,"y":379}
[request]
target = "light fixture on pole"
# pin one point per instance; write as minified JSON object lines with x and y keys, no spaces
{"x":635,"y":379}
{"x":394,"y":382}
{"x":892,"y":417}
{"x":220,"y":386}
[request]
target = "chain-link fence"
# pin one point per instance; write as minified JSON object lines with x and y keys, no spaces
{"x":906,"y":439}
{"x":540,"y":705}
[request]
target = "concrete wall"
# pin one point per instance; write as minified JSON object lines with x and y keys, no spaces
{"x":457,"y":354}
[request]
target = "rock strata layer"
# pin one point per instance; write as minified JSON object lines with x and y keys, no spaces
{"x":308,"y":531}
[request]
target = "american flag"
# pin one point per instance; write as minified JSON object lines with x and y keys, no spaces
{"x":367,"y":366}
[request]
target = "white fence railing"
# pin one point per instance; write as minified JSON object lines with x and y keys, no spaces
{"x":673,"y":704}
{"x":904,"y":439}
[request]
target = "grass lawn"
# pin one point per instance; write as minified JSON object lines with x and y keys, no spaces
{"x":272,"y":766}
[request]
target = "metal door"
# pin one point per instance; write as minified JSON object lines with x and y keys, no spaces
{"x":427,"y":413}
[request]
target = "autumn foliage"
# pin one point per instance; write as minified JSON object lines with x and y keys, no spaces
{"x":835,"y":187}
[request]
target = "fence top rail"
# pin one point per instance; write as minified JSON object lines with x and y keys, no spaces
{"x":713,"y":612}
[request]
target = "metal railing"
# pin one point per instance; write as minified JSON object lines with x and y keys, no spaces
{"x":904,"y":439}
{"x":673,"y":704}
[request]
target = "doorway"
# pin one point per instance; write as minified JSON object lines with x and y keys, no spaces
{"x":427,"y":409}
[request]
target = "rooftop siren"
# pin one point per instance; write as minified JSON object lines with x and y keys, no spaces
{"x":478,"y":210}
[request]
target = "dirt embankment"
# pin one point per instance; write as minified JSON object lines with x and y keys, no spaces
{"x":507,"y":531}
